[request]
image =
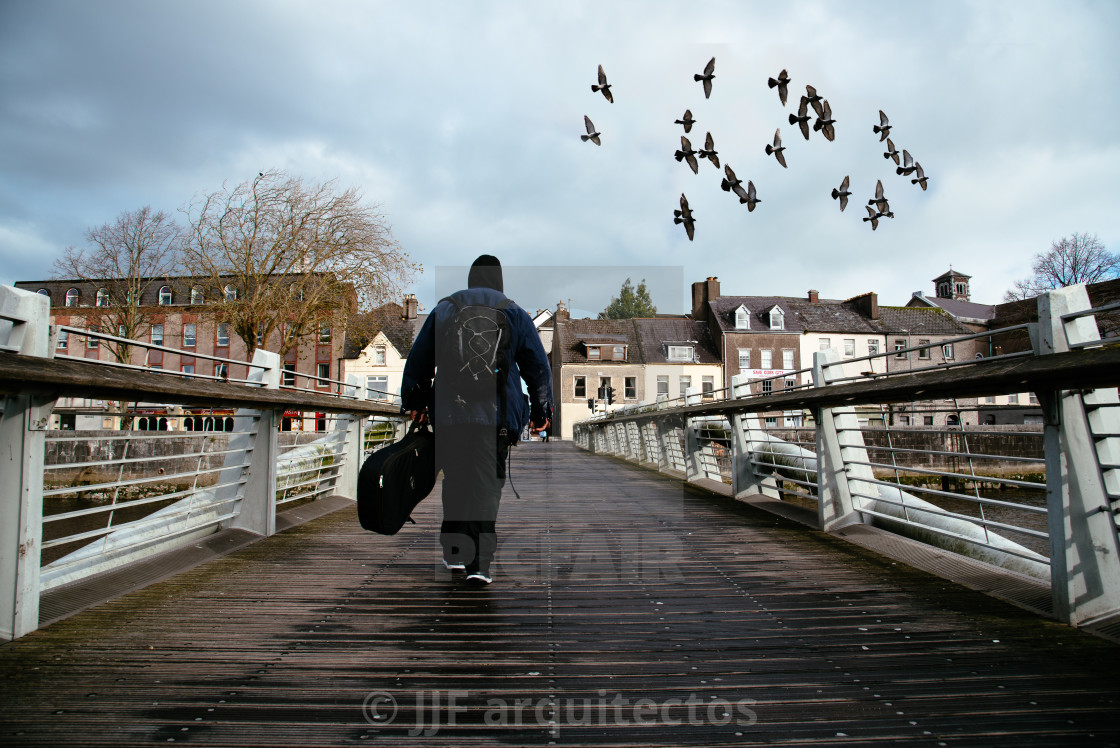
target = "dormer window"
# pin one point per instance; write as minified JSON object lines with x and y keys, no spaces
{"x":165,"y":296}
{"x":230,"y":293}
{"x":72,"y":297}
{"x":777,"y":319}
{"x":196,"y":295}
{"x":742,"y":318}
{"x":681,"y":353}
{"x":619,"y":353}
{"x":594,"y":352}
{"x":102,"y":297}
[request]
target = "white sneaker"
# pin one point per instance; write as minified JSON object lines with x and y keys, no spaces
{"x":479,"y":578}
{"x":454,"y":566}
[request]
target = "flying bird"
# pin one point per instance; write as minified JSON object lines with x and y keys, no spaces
{"x":604,"y":86}
{"x":883,"y":128}
{"x":921,"y":176}
{"x":892,"y":152}
{"x":802,"y":118}
{"x":731,"y":181}
{"x":706,"y":78}
{"x":907,"y":163}
{"x":751,"y":198}
{"x":782,"y":82}
{"x":842,"y":194}
{"x":873,"y":217}
{"x":811,"y":95}
{"x":684,"y":215}
{"x":686,"y":120}
{"x":825,"y":121}
{"x":591,"y":134}
{"x":687,"y":154}
{"x":777,"y":148}
{"x":709,"y":150}
{"x":880,"y":200}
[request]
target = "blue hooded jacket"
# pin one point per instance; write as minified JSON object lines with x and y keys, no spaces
{"x":528,"y":361}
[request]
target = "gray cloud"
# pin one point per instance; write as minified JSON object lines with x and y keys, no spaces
{"x":462,"y":121}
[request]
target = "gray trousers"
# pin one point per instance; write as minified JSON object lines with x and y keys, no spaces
{"x":473,"y":464}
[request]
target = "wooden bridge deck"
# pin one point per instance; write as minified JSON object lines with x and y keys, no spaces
{"x":626,"y":610}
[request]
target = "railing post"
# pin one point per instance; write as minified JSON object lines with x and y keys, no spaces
{"x":1084,"y":548}
{"x":24,"y":329}
{"x":350,"y":428}
{"x":838,"y":439}
{"x":745,"y":480}
{"x":694,"y":466}
{"x":258,"y":501}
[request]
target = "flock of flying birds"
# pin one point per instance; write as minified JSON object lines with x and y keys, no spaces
{"x":877,"y":207}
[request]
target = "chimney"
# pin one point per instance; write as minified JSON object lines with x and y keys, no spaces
{"x":410,"y":306}
{"x":814,"y":297}
{"x":703,"y":292}
{"x":562,"y":313}
{"x":868,"y":304}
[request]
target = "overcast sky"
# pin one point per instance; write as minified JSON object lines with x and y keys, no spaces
{"x":462,"y":120}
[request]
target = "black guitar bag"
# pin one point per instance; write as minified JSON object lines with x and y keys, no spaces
{"x":394,"y":479}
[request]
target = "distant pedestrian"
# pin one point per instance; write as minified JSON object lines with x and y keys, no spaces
{"x":464,"y":372}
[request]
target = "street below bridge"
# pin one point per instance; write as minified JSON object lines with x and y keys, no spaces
{"x":627,"y":609}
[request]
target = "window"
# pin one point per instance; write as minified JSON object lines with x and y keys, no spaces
{"x":767,"y":386}
{"x":1032,"y":398}
{"x":187,"y":368}
{"x":91,"y":341}
{"x":787,"y":359}
{"x":873,"y":348}
{"x":960,"y":289}
{"x":771,"y":421}
{"x":223,"y":335}
{"x":230,"y":293}
{"x":288,"y":375}
{"x":323,"y":371}
{"x":708,"y":387}
{"x":190,"y":335}
{"x":989,"y":399}
{"x":157,"y":334}
{"x":777,"y":319}
{"x":260,"y":334}
{"x":744,"y":358}
{"x":121,"y":331}
{"x":324,"y":333}
{"x":947,"y":351}
{"x":165,"y":296}
{"x":826,"y":343}
{"x":593,"y":352}
{"x":680,"y":352}
{"x":221,"y":371}
{"x":943,"y":290}
{"x":72,"y":297}
{"x":685,"y":384}
{"x":102,"y":297}
{"x":742,"y":319}
{"x":899,"y":345}
{"x":619,"y":353}
{"x":1013,"y":398}
{"x":927,"y":420}
{"x":924,"y":352}
{"x":379,"y":355}
{"x":44,"y":292}
{"x":849,"y":346}
{"x":631,"y":391}
{"x":377,"y":387}
{"x":63,"y":340}
{"x":791,"y":383}
{"x":904,"y":420}
{"x":288,"y":329}
{"x":662,"y":386}
{"x":766,"y":359}
{"x":580,"y":387}
{"x":196,"y":296}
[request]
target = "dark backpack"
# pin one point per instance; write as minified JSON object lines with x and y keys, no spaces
{"x":472,"y":360}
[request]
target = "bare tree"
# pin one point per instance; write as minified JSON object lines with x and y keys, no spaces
{"x":1077,"y":258}
{"x":123,"y":259}
{"x":282,"y":255}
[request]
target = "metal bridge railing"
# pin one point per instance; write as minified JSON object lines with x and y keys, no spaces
{"x":196,"y":454}
{"x":898,"y":441}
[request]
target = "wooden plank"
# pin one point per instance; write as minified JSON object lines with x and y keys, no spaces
{"x":612,"y":585}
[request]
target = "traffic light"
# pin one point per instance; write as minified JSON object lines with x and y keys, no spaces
{"x":610,"y":395}
{"x":591,"y":404}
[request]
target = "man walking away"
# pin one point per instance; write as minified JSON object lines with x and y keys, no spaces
{"x":464,"y":373}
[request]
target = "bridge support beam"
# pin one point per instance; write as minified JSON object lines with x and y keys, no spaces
{"x":1082,"y":470}
{"x":839,"y":441}
{"x":351,"y":430}
{"x":24,"y":328}
{"x":747,"y":435}
{"x":255,"y":438}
